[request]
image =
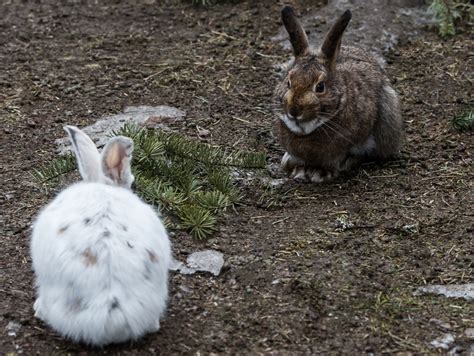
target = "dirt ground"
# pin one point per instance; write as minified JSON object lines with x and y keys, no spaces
{"x":326,"y":269}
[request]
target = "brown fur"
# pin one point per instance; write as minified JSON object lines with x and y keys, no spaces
{"x":63,"y":229}
{"x":357,"y":98}
{"x":89,"y":258}
{"x":152,"y":256}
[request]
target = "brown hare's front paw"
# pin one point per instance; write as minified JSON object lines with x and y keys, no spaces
{"x":318,"y":175}
{"x":289,"y":162}
{"x":299,"y":174}
{"x":313,"y":175}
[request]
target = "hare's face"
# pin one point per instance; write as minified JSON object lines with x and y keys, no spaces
{"x":308,"y":99}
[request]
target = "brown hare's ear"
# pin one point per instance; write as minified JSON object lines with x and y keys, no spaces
{"x":298,"y":38}
{"x":332,"y":42}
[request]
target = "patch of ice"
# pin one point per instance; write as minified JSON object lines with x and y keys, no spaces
{"x":465,"y":291}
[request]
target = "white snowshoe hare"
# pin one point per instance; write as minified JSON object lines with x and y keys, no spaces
{"x":335,"y":107}
{"x":100,"y":254}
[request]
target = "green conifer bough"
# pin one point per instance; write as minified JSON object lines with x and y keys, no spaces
{"x":190,"y":181}
{"x":448,"y":11}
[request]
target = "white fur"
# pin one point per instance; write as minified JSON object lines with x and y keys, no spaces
{"x":301,"y":128}
{"x":288,"y":161}
{"x":316,"y":177}
{"x":101,"y":259}
{"x":299,"y":173}
{"x":285,"y":161}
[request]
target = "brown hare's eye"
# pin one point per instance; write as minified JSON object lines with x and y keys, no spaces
{"x":319,"y":87}
{"x":289,"y":84}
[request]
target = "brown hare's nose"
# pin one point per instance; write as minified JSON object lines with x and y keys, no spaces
{"x":294,"y":112}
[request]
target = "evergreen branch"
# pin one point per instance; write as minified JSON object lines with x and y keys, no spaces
{"x":446,"y":12}
{"x":55,"y":169}
{"x":442,"y":13}
{"x":191,"y":181}
{"x":221,"y":179}
{"x":464,"y":122}
{"x":198,"y":221}
{"x":214,"y":201}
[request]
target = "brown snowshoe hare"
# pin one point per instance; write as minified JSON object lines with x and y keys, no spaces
{"x":336,"y":107}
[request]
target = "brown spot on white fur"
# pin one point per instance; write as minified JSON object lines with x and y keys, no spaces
{"x":152,"y":256}
{"x":114,"y":304}
{"x":89,"y":258}
{"x":76,"y":305}
{"x":63,"y":229}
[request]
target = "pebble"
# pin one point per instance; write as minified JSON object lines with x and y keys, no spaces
{"x":469,"y":333}
{"x":13,"y":328}
{"x":201,"y":261}
{"x":443,"y":342}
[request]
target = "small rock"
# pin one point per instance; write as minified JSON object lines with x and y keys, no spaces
{"x":13,"y":328}
{"x":168,"y":117}
{"x":277,"y":183}
{"x":207,"y":261}
{"x":410,"y":228}
{"x":465,"y":291}
{"x":443,"y":342}
{"x":455,"y":351}
{"x":101,"y":130}
{"x":202,"y":261}
{"x":469,"y":333}
{"x":343,"y":223}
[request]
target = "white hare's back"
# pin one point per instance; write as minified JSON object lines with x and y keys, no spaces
{"x":101,"y":259}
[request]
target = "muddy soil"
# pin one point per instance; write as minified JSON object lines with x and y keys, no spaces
{"x":317,"y":269}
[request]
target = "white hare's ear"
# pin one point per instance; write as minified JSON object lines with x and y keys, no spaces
{"x":116,"y":158}
{"x":87,"y":155}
